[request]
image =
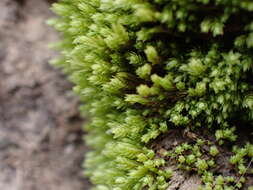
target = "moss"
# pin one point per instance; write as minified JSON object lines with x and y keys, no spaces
{"x":143,"y":68}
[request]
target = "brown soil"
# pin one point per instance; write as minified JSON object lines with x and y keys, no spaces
{"x":40,"y":138}
{"x":183,"y":180}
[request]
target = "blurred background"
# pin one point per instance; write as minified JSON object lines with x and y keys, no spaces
{"x":41,"y":144}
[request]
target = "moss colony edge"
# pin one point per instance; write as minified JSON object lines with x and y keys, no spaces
{"x":168,"y":87}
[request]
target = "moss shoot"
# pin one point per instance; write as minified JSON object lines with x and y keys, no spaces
{"x":145,"y":69}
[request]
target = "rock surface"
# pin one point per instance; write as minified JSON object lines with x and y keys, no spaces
{"x":40,"y":138}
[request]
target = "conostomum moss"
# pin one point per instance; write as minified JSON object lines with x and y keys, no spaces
{"x":145,"y":67}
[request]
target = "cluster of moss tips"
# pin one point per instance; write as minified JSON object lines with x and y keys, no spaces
{"x":143,"y":68}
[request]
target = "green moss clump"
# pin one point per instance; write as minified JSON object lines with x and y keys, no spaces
{"x":143,"y":68}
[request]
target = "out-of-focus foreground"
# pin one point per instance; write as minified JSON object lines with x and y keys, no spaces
{"x":40,"y":139}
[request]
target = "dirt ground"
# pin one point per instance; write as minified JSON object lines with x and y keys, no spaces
{"x":40,"y":138}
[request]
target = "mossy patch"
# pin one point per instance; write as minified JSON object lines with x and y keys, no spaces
{"x":145,"y":68}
